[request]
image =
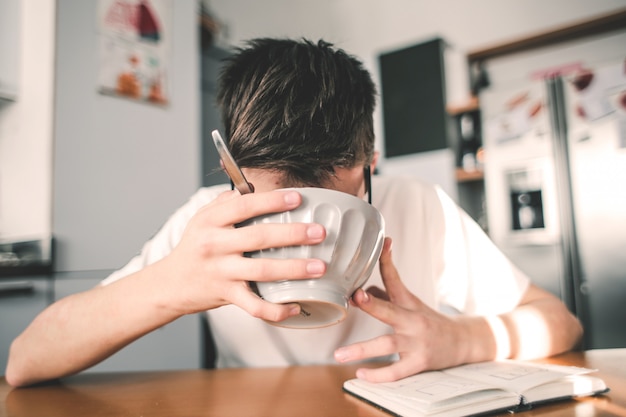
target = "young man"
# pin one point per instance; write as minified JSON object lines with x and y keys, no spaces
{"x":300,"y":114}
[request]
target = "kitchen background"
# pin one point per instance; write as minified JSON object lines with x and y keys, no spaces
{"x":101,"y":174}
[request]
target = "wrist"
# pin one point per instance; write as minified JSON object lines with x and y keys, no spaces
{"x":155,"y":283}
{"x":480,"y":341}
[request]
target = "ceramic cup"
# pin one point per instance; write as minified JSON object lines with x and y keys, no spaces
{"x":354,"y":241}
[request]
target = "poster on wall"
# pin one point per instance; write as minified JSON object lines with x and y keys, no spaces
{"x":135,"y":46}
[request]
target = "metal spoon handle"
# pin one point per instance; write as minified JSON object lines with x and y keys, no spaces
{"x":230,"y":166}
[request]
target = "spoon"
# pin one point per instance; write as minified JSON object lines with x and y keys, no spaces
{"x":230,"y":166}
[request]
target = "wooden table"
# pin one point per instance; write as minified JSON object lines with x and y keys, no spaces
{"x":293,"y":392}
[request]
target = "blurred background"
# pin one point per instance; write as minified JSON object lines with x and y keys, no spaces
{"x":104,"y":127}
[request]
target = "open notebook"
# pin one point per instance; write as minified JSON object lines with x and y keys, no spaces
{"x":478,"y":388}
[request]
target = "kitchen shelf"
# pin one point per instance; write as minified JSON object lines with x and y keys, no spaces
{"x":614,"y":20}
{"x":467,"y":176}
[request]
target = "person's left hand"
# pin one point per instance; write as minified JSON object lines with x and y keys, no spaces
{"x":423,"y":338}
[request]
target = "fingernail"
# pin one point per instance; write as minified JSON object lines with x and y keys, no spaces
{"x":341,"y":355}
{"x":361,"y":373}
{"x":292,"y":198}
{"x":315,"y":231}
{"x":294,"y":310}
{"x":315,"y":267}
{"x":364,"y":298}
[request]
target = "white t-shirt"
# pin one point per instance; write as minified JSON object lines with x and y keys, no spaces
{"x":441,"y":254}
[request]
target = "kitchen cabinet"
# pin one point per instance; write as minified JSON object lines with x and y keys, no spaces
{"x":177,"y":345}
{"x":9,"y":48}
{"x":21,"y":300}
{"x":415,"y":86}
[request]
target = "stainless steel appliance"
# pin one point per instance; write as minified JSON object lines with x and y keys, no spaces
{"x":555,"y":179}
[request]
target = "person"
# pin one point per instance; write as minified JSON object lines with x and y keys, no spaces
{"x":300,"y":113}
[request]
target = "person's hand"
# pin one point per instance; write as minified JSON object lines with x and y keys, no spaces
{"x":423,"y":338}
{"x":207,"y":269}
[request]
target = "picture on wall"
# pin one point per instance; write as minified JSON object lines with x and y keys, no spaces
{"x":135,"y":47}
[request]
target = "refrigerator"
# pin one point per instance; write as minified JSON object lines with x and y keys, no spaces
{"x":555,"y":181}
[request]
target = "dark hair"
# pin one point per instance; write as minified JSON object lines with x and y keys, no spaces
{"x":298,"y":108}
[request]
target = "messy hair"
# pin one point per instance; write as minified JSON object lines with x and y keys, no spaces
{"x":298,"y":108}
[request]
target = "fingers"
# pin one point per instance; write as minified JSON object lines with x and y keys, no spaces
{"x":263,"y":269}
{"x":383,"y":310}
{"x":378,"y":293}
{"x":257,"y":237}
{"x":378,"y":347}
{"x":393,"y":372}
{"x":263,"y":236}
{"x":232,"y":208}
{"x":396,"y":290}
{"x":227,"y":195}
{"x":388,"y":271}
{"x":257,"y":307}
{"x":410,"y":362}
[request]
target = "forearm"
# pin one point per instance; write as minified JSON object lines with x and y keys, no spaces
{"x":83,"y":329}
{"x":540,"y":327}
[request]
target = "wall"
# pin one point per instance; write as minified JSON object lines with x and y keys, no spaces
{"x":121,"y":167}
{"x":26,"y":127}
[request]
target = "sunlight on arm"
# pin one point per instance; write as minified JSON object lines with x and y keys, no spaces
{"x":501,"y":337}
{"x":524,"y":334}
{"x":532,"y":333}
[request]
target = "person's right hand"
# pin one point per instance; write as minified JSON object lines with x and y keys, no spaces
{"x":208,"y":269}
